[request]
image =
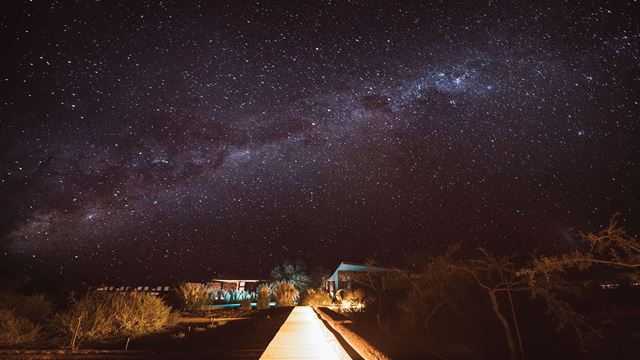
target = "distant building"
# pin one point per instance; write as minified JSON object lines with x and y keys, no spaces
{"x":234,"y":284}
{"x":341,"y":279}
{"x":157,"y":290}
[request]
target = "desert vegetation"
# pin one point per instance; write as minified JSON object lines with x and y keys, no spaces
{"x":458,"y":303}
{"x":193,"y":296}
{"x":289,"y":281}
{"x":315,"y":297}
{"x":231,"y":296}
{"x":285,"y":294}
{"x":300,"y":275}
{"x":293,"y":273}
{"x":27,"y":320}
{"x":264,"y":296}
{"x":22,"y":318}
{"x":463,"y":302}
{"x":101,"y":316}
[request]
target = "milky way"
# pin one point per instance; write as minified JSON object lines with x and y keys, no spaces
{"x":180,"y":139}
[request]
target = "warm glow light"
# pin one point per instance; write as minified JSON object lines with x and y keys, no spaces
{"x":346,"y":304}
{"x":304,"y":336}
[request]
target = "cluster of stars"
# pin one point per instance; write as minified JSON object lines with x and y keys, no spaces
{"x":184,"y":139}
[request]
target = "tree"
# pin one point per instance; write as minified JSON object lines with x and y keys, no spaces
{"x":379,"y":282}
{"x":496,"y":275}
{"x":318,"y":276}
{"x":500,"y":277}
{"x":294,"y":273}
{"x":444,"y":281}
{"x":436,"y":285}
{"x":611,"y":246}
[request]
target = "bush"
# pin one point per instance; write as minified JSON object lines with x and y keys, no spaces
{"x":239,"y":295}
{"x":312,"y":297}
{"x":231,"y":296}
{"x":357,"y":295}
{"x":264,"y":296}
{"x":193,"y":295}
{"x":285,"y":294}
{"x":35,"y":308}
{"x":245,"y":304}
{"x":21,"y":316}
{"x":16,"y":330}
{"x":100,"y":316}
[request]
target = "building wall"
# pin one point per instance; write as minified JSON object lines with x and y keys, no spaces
{"x":234,"y":285}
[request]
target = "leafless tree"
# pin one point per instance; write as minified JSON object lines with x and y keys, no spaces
{"x":611,"y":246}
{"x":500,"y":277}
{"x":434,"y":286}
{"x":378,"y":282}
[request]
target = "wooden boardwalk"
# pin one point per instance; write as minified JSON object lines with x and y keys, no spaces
{"x":304,"y":336}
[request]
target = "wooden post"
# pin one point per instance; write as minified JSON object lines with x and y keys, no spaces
{"x":126,"y":347}
{"x":75,"y":335}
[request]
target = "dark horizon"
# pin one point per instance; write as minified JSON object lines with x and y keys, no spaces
{"x":174,"y":140}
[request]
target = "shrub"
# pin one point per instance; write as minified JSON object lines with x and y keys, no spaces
{"x":35,"y":308}
{"x":232,"y":296}
{"x":16,"y":330}
{"x":312,"y":297}
{"x":245,"y":304}
{"x":264,"y":296}
{"x":357,"y":295}
{"x":21,"y":316}
{"x":99,"y":316}
{"x":222,"y":296}
{"x":193,"y":295}
{"x":139,"y":313}
{"x":285,"y":294}
{"x":240,"y":295}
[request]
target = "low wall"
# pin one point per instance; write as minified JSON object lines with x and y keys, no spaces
{"x":340,"y":324}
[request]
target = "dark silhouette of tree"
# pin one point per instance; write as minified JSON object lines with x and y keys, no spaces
{"x":379,"y":282}
{"x":500,"y":277}
{"x":443,"y":281}
{"x":435,"y":285}
{"x":611,"y":247}
{"x":294,"y":273}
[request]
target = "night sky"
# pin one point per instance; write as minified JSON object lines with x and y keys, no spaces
{"x":176,"y":140}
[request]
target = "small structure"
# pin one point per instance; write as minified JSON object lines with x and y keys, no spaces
{"x":234,"y":284}
{"x":340,"y":278}
{"x":156,"y":290}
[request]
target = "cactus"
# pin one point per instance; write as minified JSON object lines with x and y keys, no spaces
{"x":264,"y":296}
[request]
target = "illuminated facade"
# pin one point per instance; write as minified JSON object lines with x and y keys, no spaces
{"x":340,"y":278}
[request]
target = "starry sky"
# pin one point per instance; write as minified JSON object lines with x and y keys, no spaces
{"x":172,"y":140}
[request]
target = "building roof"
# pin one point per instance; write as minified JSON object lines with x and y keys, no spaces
{"x":351,"y":266}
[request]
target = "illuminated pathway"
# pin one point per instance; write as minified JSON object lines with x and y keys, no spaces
{"x":304,"y":336}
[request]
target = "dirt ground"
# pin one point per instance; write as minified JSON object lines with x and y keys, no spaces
{"x":218,"y":337}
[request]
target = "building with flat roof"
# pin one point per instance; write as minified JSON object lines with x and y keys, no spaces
{"x":235,"y":284}
{"x":341,"y":279}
